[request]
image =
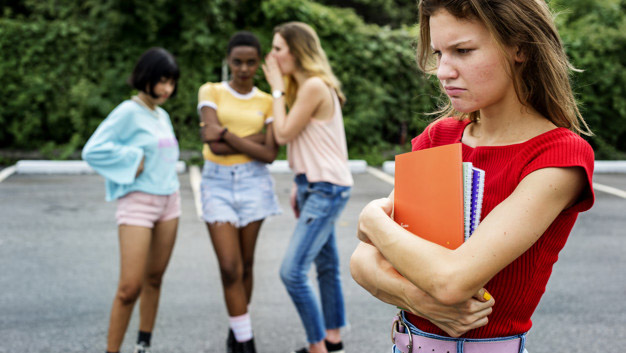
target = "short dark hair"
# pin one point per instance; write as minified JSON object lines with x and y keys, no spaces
{"x":244,"y":39}
{"x":154,"y":64}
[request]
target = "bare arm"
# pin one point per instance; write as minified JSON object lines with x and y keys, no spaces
{"x":264,"y":152}
{"x":258,"y":146}
{"x":222,"y":148}
{"x":453,"y":276}
{"x":310,"y":96}
{"x":140,"y":168}
{"x":374,"y":273}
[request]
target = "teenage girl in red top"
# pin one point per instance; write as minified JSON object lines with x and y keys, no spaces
{"x":504,"y":71}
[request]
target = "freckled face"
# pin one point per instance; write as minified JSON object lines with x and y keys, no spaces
{"x":280,"y":51}
{"x":470,"y":66}
{"x":244,"y":62}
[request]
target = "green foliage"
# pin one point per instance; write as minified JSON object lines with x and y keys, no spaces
{"x":594,"y":32}
{"x":64,"y":65}
{"x":393,"y":13}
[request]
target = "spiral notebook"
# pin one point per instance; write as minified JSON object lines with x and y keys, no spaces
{"x":473,"y":189}
{"x":436,"y":197}
{"x":478,"y":189}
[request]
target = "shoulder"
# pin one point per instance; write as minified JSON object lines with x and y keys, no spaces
{"x":314,"y":85}
{"x":568,"y":138}
{"x":210,"y":87}
{"x":440,"y":132}
{"x":127,"y":105}
{"x":126,"y":108}
{"x":314,"y":91}
{"x":163,"y":112}
{"x":264,"y":96}
{"x":561,"y":144}
{"x":561,"y":148}
{"x":449,"y":124}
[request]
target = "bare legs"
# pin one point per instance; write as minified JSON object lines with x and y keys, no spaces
{"x":144,"y":255}
{"x":160,"y":252}
{"x":234,"y":248}
{"x":332,"y":336}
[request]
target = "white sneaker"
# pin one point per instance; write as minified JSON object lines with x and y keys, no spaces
{"x":140,"y":348}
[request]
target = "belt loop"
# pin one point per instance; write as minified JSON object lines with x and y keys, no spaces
{"x":398,"y":325}
{"x":459,"y":346}
{"x":522,"y":343}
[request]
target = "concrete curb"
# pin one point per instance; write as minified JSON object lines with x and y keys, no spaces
{"x":357,"y":166}
{"x":66,"y":167}
{"x":610,"y":167}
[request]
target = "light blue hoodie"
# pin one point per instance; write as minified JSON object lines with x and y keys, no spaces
{"x":130,"y":133}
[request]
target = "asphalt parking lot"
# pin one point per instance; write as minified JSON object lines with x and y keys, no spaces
{"x":59,"y":261}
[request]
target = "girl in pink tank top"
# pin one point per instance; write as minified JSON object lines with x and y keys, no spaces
{"x":316,"y":145}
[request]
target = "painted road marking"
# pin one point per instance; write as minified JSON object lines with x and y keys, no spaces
{"x":7,"y":172}
{"x":194,"y":178}
{"x":599,"y":187}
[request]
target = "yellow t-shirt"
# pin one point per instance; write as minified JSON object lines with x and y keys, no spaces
{"x":242,"y":114}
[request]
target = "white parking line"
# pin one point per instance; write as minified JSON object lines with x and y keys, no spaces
{"x":610,"y":190}
{"x":194,"y":179}
{"x":380,"y":175}
{"x":598,"y":187}
{"x":7,"y":172}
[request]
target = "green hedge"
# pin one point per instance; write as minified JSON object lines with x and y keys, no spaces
{"x":594,"y":33}
{"x":64,"y":66}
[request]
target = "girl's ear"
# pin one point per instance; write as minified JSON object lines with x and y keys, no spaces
{"x":519,"y":56}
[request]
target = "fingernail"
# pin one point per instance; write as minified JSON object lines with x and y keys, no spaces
{"x":486,"y":295}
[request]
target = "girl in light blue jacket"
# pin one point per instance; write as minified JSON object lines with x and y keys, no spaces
{"x":136,"y":151}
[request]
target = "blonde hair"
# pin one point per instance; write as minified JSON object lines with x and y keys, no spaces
{"x":309,"y":57}
{"x":543,"y":80}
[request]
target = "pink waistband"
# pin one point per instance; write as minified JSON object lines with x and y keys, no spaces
{"x":413,"y":343}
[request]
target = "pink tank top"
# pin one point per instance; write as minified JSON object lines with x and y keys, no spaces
{"x":320,"y":151}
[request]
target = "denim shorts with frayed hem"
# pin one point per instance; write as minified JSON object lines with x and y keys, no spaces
{"x":238,"y":194}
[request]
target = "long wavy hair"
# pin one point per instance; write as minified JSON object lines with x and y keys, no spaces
{"x":309,"y":56}
{"x":542,"y":81}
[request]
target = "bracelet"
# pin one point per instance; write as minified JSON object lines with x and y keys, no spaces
{"x":223,"y":133}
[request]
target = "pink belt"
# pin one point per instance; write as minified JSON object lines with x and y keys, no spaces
{"x":412,"y":343}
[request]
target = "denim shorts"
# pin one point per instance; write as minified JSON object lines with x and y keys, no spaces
{"x":238,"y":194}
{"x":144,"y":210}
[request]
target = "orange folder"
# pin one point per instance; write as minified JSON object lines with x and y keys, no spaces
{"x":428,"y":196}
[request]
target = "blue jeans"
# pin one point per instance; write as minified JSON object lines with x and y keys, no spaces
{"x":314,"y":240}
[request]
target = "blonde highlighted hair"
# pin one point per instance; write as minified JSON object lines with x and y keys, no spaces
{"x":309,"y":57}
{"x":543,"y":80}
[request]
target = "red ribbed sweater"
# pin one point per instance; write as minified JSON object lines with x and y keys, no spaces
{"x":519,"y":286}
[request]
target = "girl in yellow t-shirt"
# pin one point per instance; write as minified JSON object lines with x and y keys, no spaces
{"x":237,"y":189}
